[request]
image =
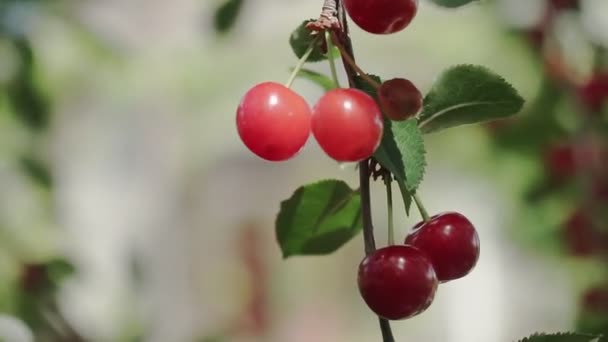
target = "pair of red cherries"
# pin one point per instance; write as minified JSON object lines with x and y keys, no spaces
{"x":400,"y":281}
{"x":275,"y":122}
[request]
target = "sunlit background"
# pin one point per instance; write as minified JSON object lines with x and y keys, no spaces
{"x":168,"y":220}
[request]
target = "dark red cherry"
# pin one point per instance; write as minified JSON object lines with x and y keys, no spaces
{"x":595,"y":299}
{"x":399,"y":98}
{"x":594,"y":93}
{"x":451,"y":243}
{"x":34,"y":277}
{"x":582,"y":236}
{"x":273,"y":121}
{"x":381,"y":16}
{"x":397,"y":282}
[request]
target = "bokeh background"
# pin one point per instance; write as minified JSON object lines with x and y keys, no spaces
{"x":131,"y":211}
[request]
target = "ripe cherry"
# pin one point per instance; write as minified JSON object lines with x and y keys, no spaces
{"x":273,"y":121}
{"x":582,"y":237}
{"x":451,"y":243}
{"x":595,"y":299}
{"x":397,"y":282}
{"x":594,"y":94}
{"x":399,"y":98}
{"x":34,"y":277}
{"x":560,"y":161}
{"x":564,"y":160}
{"x":381,"y":16}
{"x":347,"y":124}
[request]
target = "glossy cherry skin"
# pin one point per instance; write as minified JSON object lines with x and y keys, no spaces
{"x":399,"y":99}
{"x":397,"y":282}
{"x":382,"y":16}
{"x":451,"y":243}
{"x":273,"y":121}
{"x":347,"y":124}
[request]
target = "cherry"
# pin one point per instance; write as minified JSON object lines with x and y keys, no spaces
{"x":397,"y":282}
{"x":595,"y":299}
{"x":34,"y":277}
{"x":347,"y":124}
{"x":451,"y":243}
{"x":273,"y":121}
{"x":560,"y":161}
{"x":382,"y":16}
{"x":581,"y":235}
{"x":594,"y":93}
{"x":565,"y":160}
{"x":399,"y":98}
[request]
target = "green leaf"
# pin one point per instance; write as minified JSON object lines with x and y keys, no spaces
{"x":301,"y":38}
{"x":318,"y":218}
{"x":321,"y":80}
{"x":28,"y":102}
{"x":452,"y":3}
{"x":467,"y":94}
{"x":59,"y":270}
{"x":226,"y":15}
{"x":592,"y":322}
{"x":402,"y":152}
{"x":564,"y":337}
{"x":37,"y":171}
{"x":402,"y":149}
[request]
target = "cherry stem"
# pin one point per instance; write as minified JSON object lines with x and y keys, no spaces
{"x":389,"y":204}
{"x":405,"y":194}
{"x":330,"y":58}
{"x":421,"y":208}
{"x":364,"y":169}
{"x":350,"y":60}
{"x":301,"y":62}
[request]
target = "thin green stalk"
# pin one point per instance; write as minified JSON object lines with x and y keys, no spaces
{"x":421,"y":208}
{"x":389,"y":204}
{"x":330,"y":58}
{"x":300,"y":64}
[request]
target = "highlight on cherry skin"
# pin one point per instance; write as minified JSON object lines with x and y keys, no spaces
{"x":399,"y":99}
{"x":451,"y":243}
{"x":347,"y":124}
{"x":381,"y":16}
{"x":397,"y":282}
{"x":273,"y":121}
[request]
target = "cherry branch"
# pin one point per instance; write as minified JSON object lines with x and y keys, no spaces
{"x":343,"y":41}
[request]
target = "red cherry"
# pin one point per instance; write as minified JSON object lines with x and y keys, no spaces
{"x":451,"y":243}
{"x":565,"y":160}
{"x":273,"y":121}
{"x":399,"y":98}
{"x":347,"y":124}
{"x":581,"y":235}
{"x":34,"y":277}
{"x":596,"y":299}
{"x":560,"y":161}
{"x":397,"y":282}
{"x":594,"y":94}
{"x":381,"y":16}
